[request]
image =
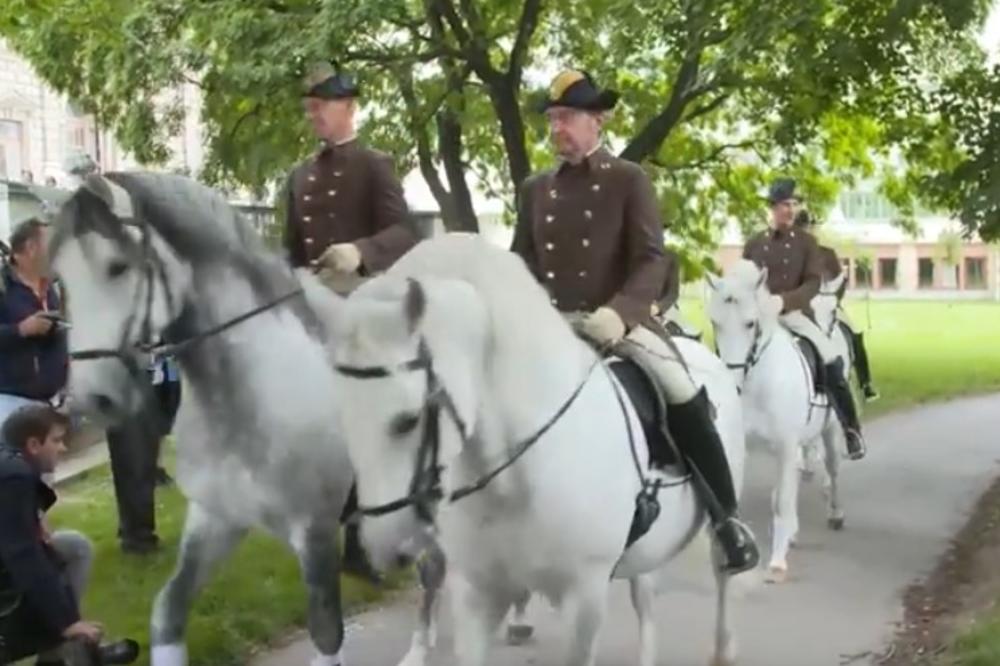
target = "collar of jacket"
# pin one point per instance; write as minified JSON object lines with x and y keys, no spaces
{"x":596,"y":156}
{"x":778,"y":234}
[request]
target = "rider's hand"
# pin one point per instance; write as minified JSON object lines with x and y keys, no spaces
{"x":33,"y":326}
{"x":88,"y":631}
{"x":777,"y":303}
{"x":603,"y":326}
{"x":342,"y":258}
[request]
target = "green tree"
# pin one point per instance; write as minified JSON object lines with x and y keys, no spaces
{"x":717,"y":94}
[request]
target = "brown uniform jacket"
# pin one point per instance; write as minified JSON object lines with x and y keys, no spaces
{"x":591,"y":233}
{"x":793,"y":262}
{"x":672,"y":283}
{"x":347,"y":194}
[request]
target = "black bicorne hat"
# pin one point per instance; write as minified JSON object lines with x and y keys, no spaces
{"x":325,"y":81}
{"x":782,"y":189}
{"x":576,"y":89}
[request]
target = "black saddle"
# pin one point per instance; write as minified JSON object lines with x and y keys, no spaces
{"x":814,"y":362}
{"x":650,"y":408}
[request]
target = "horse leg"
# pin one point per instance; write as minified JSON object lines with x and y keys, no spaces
{"x":432,"y":569}
{"x":642,"y":588}
{"x":785,"y":508}
{"x":519,"y":631}
{"x":205,"y":542}
{"x":478,"y":613}
{"x":835,"y":512}
{"x":725,"y":645}
{"x":316,"y":546}
{"x":591,"y":601}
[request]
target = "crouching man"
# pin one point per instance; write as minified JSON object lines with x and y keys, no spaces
{"x":43,"y":574}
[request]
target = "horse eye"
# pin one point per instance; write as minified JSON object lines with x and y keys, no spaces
{"x":117,"y":268}
{"x":750,"y":325}
{"x":404,"y":423}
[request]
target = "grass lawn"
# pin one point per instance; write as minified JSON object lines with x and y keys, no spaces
{"x":257,"y":595}
{"x":920,"y":351}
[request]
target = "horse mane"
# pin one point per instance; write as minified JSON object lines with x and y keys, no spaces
{"x":742,"y":274}
{"x":519,"y":308}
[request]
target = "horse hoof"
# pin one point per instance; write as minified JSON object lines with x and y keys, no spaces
{"x":776,"y":575}
{"x":519,"y":634}
{"x":835,"y":524}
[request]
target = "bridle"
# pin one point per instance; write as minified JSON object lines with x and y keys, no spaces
{"x":833,"y":318}
{"x":425,"y":489}
{"x":129,"y":351}
{"x":757,"y":349}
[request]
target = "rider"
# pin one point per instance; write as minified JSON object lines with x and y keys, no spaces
{"x":590,"y":231}
{"x":346,"y":217}
{"x":794,"y":270}
{"x":831,"y":269}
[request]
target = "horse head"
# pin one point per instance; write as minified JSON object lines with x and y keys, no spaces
{"x":408,"y":360}
{"x":825,"y":303}
{"x":125,"y":284}
{"x":742,"y":313}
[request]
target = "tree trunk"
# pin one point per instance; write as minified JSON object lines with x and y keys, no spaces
{"x":508,"y":111}
{"x":463,"y":215}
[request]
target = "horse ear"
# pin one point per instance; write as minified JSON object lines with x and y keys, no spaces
{"x":415,"y":306}
{"x":762,"y":280}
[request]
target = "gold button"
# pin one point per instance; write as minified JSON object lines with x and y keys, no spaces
{"x":605,"y":165}
{"x":312,"y":178}
{"x":550,"y":218}
{"x":788,"y":245}
{"x":786,"y":261}
{"x":337,"y":174}
{"x":332,"y":193}
{"x":587,"y":214}
{"x":583,"y":274}
{"x":331,"y":216}
{"x":553,"y":194}
{"x":307,"y":197}
{"x":586,"y":242}
{"x":314,"y":262}
{"x":550,"y":246}
{"x":309,"y":241}
{"x":306,"y":218}
{"x":550,"y":275}
{"x":595,"y":187}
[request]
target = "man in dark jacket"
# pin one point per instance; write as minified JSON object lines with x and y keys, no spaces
{"x":42,"y":574}
{"x":33,"y":359}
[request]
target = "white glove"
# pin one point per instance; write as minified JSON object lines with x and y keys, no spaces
{"x":342,"y":258}
{"x":603,"y":326}
{"x":776,"y":303}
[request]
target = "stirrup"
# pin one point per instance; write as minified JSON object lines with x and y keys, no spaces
{"x":736,"y":541}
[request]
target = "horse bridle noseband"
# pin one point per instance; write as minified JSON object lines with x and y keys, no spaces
{"x":425,"y":484}
{"x":754,"y":355}
{"x":128,"y":351}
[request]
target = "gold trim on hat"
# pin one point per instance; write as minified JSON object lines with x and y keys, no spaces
{"x":317,"y":74}
{"x":563,"y":81}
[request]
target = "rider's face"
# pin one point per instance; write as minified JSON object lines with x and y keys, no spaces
{"x":331,"y":119}
{"x":783,"y":213}
{"x":574,"y":133}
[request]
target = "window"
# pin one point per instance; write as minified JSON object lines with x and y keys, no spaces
{"x":975,"y":273}
{"x":887,"y":273}
{"x":862,"y":275}
{"x":925,"y":273}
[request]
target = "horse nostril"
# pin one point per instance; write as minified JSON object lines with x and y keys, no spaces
{"x":103,"y":403}
{"x":403,"y":560}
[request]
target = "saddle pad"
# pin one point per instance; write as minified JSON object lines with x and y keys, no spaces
{"x":642,"y":394}
{"x":813,"y":361}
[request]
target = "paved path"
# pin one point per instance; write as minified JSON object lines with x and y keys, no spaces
{"x":924,"y":472}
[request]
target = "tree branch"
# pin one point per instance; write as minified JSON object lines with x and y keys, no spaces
{"x":707,"y":159}
{"x":706,"y":108}
{"x":656,"y":130}
{"x":525,"y":30}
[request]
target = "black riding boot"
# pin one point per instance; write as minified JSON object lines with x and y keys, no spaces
{"x":355,"y":561}
{"x":863,"y":369}
{"x":843,"y":404}
{"x":692,"y":429}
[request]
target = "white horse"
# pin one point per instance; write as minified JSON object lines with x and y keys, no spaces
{"x":459,"y":380}
{"x":780,"y":405}
{"x":257,"y":438}
{"x":826,"y":306}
